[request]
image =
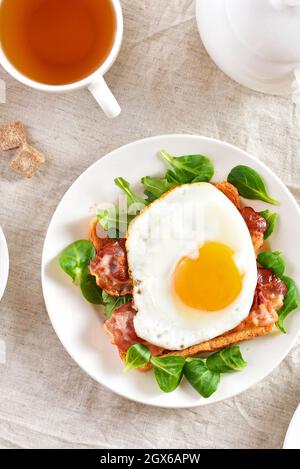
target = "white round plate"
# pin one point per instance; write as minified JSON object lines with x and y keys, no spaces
{"x":292,"y":439}
{"x":79,"y":325}
{"x":4,"y":263}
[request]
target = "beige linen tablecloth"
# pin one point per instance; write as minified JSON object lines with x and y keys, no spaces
{"x":165,"y":83}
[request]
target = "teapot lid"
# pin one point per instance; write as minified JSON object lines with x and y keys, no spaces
{"x":269,"y":28}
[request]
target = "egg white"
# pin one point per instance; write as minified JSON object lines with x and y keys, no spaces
{"x":172,"y":227}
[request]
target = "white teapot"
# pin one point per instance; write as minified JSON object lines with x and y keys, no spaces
{"x":255,"y":42}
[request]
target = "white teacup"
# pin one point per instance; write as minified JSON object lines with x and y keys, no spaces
{"x":94,"y":82}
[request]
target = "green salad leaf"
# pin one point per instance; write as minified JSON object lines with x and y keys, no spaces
{"x":226,"y":360}
{"x":250,"y":184}
{"x":291,"y":302}
{"x":273,"y":261}
{"x":132,"y":198}
{"x":150,"y":197}
{"x":137,"y":356}
{"x":168,"y":371}
{"x":114,"y":222}
{"x":204,"y":380}
{"x":203,"y":374}
{"x":89,"y":288}
{"x":107,"y":218}
{"x":189,"y":168}
{"x":156,"y":187}
{"x":272,"y":220}
{"x":171,"y":177}
{"x":75,"y":258}
{"x":111,"y":303}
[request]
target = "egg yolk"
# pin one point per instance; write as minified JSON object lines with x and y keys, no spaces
{"x":210,"y":282}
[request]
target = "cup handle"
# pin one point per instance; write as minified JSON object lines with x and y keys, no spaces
{"x":105,"y":98}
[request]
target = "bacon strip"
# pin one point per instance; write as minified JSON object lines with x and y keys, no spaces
{"x":121,"y":329}
{"x":268,"y":299}
{"x":257,"y":225}
{"x":110,"y":264}
{"x":97,"y":235}
{"x":111,"y":270}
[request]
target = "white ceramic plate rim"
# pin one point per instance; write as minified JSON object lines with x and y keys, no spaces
{"x":4,"y":263}
{"x":106,"y":157}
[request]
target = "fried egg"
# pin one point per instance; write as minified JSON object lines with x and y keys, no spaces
{"x":193,"y":267}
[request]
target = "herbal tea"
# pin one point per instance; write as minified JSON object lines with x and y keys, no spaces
{"x":57,"y":42}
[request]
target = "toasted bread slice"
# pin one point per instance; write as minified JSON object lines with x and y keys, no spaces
{"x":230,"y":338}
{"x":231,"y":193}
{"x":248,"y":332}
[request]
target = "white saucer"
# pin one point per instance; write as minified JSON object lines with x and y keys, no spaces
{"x":292,"y":439}
{"x":4,"y":263}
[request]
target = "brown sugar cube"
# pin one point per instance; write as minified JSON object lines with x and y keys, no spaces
{"x":12,"y":135}
{"x":27,"y":161}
